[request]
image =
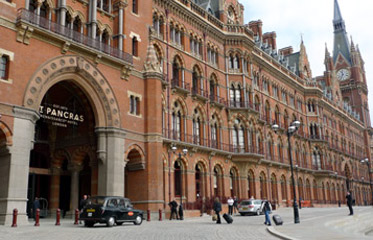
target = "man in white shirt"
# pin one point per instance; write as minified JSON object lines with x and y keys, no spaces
{"x":230,"y":205}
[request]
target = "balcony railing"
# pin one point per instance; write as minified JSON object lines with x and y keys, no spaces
{"x":237,"y":104}
{"x":41,"y":22}
{"x":176,"y":83}
{"x":200,"y":92}
{"x":218,"y":100}
{"x":198,"y":140}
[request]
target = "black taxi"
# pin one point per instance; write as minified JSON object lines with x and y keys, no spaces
{"x":110,"y":210}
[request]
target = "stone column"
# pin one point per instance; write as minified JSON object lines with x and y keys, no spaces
{"x":55,"y":189}
{"x":120,"y":32}
{"x":74,"y":192}
{"x":14,"y":169}
{"x":63,"y":11}
{"x":110,"y":152}
{"x":93,"y":18}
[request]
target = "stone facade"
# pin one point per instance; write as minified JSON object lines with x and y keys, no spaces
{"x":197,"y":78}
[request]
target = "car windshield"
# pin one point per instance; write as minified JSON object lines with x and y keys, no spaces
{"x":246,"y":203}
{"x":96,"y":200}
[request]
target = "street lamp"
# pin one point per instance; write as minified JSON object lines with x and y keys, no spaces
{"x":290,"y":131}
{"x":183,"y":153}
{"x":367,"y":162}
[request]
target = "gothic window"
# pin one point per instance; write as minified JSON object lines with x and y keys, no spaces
{"x":215,"y":132}
{"x":134,"y":105}
{"x":135,"y":6}
{"x":135,"y":46}
{"x":177,"y":122}
{"x":177,"y":178}
{"x":4,"y":67}
{"x":197,"y":128}
{"x":238,"y":136}
{"x":235,"y":94}
{"x":283,"y":188}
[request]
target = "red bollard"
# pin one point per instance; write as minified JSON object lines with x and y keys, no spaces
{"x":15,"y":213}
{"x":160,"y":214}
{"x":37,"y":218}
{"x":58,"y":217}
{"x":76,"y":217}
{"x":148,"y":213}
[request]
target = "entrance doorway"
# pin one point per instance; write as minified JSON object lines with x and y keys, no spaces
{"x":63,"y":158}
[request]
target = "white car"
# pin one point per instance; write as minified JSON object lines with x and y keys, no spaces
{"x":250,"y":206}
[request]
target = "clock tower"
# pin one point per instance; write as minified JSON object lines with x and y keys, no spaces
{"x":348,"y":70}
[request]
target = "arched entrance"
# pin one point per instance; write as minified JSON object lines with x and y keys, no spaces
{"x":63,"y":158}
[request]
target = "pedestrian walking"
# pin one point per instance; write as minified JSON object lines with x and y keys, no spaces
{"x":35,"y":205}
{"x":349,"y":202}
{"x":300,"y":202}
{"x":235,"y":204}
{"x":83,"y":202}
{"x":217,"y":209}
{"x":230,"y":205}
{"x":267,"y":209}
{"x":173,"y":206}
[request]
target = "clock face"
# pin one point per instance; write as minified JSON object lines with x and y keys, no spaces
{"x":343,"y":74}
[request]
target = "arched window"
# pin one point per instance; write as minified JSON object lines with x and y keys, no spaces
{"x":263,"y":186}
{"x":177,"y":178}
{"x":135,"y":46}
{"x":198,"y":179}
{"x":135,"y":6}
{"x":283,"y":188}
{"x":274,"y":188}
{"x":233,"y":183}
{"x":315,"y":191}
{"x":238,"y":136}
{"x":177,"y":73}
{"x":177,"y":126}
{"x":215,"y":135}
{"x":251,"y":184}
{"x":235,"y":95}
{"x":197,"y":128}
{"x":217,"y":181}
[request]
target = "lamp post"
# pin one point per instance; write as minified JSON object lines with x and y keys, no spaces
{"x":367,"y":162}
{"x":183,"y":153}
{"x":290,"y":131}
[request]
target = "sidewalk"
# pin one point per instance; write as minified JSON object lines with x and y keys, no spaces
{"x":325,"y":223}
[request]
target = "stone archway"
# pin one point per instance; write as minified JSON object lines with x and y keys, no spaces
{"x":108,"y":133}
{"x":86,"y":76}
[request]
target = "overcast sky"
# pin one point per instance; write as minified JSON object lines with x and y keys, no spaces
{"x":313,"y":19}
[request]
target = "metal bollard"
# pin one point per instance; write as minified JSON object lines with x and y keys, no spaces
{"x":148,"y":217}
{"x":58,"y":217}
{"x":37,"y":218}
{"x":15,"y":214}
{"x":160,"y":214}
{"x":76,"y":217}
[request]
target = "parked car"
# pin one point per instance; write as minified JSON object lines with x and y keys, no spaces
{"x":250,"y":206}
{"x":110,"y":210}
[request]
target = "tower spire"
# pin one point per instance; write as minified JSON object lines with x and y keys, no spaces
{"x":341,"y":43}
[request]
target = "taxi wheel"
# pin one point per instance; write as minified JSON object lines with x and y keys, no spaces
{"x":110,"y":222}
{"x":88,"y":223}
{"x":138,"y":220}
{"x":258,"y":212}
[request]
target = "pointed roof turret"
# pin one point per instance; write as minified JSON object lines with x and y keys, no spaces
{"x":341,"y":43}
{"x":337,"y":12}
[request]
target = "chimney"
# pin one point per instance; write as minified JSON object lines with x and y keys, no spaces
{"x":286,"y":51}
{"x":270,"y":38}
{"x":256,"y":27}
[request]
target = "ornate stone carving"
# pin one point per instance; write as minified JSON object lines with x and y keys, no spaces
{"x":65,"y":47}
{"x":24,"y":33}
{"x":125,"y":72}
{"x":151,"y":62}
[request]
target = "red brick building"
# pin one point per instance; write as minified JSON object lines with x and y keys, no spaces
{"x":96,"y":95}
